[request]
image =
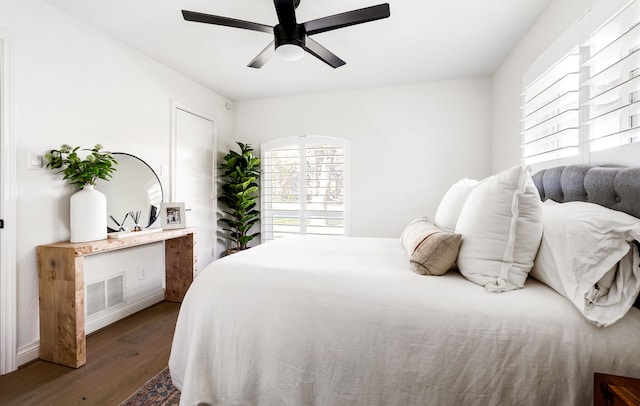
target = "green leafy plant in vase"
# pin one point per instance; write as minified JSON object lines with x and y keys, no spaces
{"x":239,"y":194}
{"x":87,"y":207}
{"x":82,"y":171}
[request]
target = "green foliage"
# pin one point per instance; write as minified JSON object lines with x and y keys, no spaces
{"x":81,"y":172}
{"x":239,"y":194}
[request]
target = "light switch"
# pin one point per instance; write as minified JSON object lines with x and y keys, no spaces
{"x":34,"y":160}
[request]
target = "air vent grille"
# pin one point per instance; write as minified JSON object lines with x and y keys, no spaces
{"x":95,"y":298}
{"x":115,"y":291}
{"x":105,"y":294}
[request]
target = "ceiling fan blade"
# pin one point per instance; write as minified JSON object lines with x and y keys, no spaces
{"x":263,"y":56}
{"x":341,"y":20}
{"x":286,"y":11}
{"x":227,"y":22}
{"x":323,"y":53}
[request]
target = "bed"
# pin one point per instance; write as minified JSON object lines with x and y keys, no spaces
{"x":346,"y":321}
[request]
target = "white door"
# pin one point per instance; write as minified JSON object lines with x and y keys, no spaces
{"x":3,"y":331}
{"x":193,"y":178}
{"x":8,"y":186}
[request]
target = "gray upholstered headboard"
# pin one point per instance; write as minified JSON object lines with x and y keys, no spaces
{"x":613,"y":187}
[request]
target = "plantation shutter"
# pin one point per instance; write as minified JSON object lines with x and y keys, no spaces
{"x":589,"y":100}
{"x":304,"y":187}
{"x":551,"y":112}
{"x":613,"y":81}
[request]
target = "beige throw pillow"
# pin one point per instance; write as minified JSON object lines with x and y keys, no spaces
{"x":431,"y":251}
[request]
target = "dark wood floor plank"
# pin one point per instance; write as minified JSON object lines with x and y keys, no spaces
{"x":120,"y":359}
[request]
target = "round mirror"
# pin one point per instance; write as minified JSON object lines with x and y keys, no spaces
{"x":134,"y":194}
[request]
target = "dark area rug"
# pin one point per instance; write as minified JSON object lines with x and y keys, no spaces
{"x":157,"y":391}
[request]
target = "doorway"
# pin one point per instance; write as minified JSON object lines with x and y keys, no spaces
{"x":8,"y":187}
{"x":193,"y":176}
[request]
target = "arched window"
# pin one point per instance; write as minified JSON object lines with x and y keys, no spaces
{"x":304,"y":186}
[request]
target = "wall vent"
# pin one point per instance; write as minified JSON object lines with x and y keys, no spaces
{"x":95,"y":298}
{"x":105,"y":294}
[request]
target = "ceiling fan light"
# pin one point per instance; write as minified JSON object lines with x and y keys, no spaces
{"x":290,"y":52}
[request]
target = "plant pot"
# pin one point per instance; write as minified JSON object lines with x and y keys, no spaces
{"x":88,"y":215}
{"x":233,"y":251}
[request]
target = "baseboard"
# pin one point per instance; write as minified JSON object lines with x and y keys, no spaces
{"x":28,"y":353}
{"x":117,"y":314}
{"x":31,"y":352}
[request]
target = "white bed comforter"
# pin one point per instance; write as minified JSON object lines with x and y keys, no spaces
{"x":344,"y":321}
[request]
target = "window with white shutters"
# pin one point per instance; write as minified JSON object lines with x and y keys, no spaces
{"x":304,"y":187}
{"x":588,"y":100}
{"x":551,"y":108}
{"x":613,"y":81}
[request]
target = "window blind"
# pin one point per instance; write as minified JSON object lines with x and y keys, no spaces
{"x":613,"y":81}
{"x":551,"y":112}
{"x":304,"y":187}
{"x":589,"y":100}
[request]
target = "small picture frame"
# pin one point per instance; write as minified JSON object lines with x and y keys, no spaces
{"x":172,"y":216}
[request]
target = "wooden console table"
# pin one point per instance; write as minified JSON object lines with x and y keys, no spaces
{"x":61,"y":290}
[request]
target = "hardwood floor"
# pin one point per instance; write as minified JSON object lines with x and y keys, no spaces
{"x":120,"y":359}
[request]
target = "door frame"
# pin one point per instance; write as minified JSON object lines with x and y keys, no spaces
{"x":175,"y":106}
{"x":8,"y":211}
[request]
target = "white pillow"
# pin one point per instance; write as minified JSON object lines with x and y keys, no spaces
{"x":584,"y":245}
{"x":501,"y":228}
{"x":451,"y":204}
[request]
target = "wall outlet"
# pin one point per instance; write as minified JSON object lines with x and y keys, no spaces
{"x":142,"y":274}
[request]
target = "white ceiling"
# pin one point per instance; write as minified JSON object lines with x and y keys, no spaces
{"x":423,"y":40}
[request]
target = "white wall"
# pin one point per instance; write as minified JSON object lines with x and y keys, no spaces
{"x":75,"y":85}
{"x":408,"y":143}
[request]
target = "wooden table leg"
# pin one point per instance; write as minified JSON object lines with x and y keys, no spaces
{"x":61,"y":297}
{"x":180,"y":266}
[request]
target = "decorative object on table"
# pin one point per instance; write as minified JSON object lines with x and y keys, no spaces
{"x":239,"y":194}
{"x":121,"y":226}
{"x":135,"y":216}
{"x":88,"y":207}
{"x":172,"y":216}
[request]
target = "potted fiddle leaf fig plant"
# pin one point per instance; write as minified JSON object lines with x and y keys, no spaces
{"x":239,"y":194}
{"x":87,"y":207}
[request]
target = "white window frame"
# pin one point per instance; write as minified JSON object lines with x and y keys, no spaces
{"x":302,"y":142}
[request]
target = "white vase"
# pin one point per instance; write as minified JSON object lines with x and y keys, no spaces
{"x":88,"y":210}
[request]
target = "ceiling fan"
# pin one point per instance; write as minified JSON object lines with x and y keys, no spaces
{"x":291,"y":39}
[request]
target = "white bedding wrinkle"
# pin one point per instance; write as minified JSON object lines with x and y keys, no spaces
{"x":344,"y":321}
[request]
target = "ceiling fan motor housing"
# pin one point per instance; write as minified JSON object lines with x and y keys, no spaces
{"x":294,"y":35}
